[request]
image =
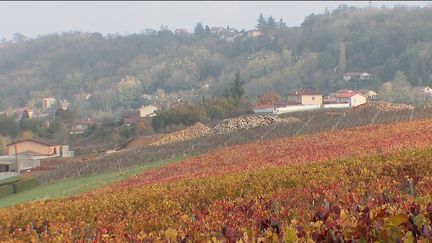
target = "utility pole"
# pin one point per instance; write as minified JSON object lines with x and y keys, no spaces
{"x":16,"y":158}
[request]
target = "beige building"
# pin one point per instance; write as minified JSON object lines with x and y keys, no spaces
{"x":37,"y":146}
{"x":352,"y":98}
{"x":147,"y":111}
{"x":305,"y":97}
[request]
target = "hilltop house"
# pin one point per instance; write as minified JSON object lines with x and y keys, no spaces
{"x":357,"y":75}
{"x":64,"y":104}
{"x":81,"y":126}
{"x":352,"y":98}
{"x":305,"y":97}
{"x":216,"y":30}
{"x":21,"y":112}
{"x":133,"y":117}
{"x":47,"y":103}
{"x":370,"y":94}
{"x":423,"y":90}
{"x":147,"y":111}
{"x":253,"y":33}
{"x":38,"y":146}
{"x":181,"y":32}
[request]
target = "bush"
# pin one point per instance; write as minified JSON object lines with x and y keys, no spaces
{"x":25,"y":185}
{"x":6,"y":191}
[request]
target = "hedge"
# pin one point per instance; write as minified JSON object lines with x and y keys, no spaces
{"x":6,"y":191}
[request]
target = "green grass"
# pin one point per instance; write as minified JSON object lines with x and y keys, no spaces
{"x":71,"y":187}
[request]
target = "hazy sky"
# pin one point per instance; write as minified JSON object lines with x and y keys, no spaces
{"x":35,"y":18}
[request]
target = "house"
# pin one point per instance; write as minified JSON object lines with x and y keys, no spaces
{"x":216,"y":30}
{"x":351,"y":98}
{"x":23,"y":111}
{"x":149,"y":32}
{"x":253,"y":33}
{"x":147,"y":111}
{"x":133,"y":117}
{"x":305,"y":97}
{"x":357,"y":75}
{"x":47,"y":103}
{"x":263,"y":109}
{"x":370,"y":94}
{"x":80,"y":127}
{"x":39,"y":146}
{"x":181,"y":32}
{"x":64,"y":104}
{"x":423,"y":90}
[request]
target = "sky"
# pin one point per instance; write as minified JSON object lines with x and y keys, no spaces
{"x":34,"y":18}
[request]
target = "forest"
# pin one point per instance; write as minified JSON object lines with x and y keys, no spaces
{"x":117,"y":70}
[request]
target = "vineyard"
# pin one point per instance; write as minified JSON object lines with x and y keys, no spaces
{"x":369,"y":183}
{"x":311,"y":122}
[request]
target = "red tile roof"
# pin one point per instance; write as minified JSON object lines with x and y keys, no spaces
{"x":348,"y":95}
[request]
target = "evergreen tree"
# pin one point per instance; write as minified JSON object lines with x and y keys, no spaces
{"x":199,"y":30}
{"x":271,"y":23}
{"x":207,"y":30}
{"x":262,"y":23}
{"x":281,"y":24}
{"x":237,"y":89}
{"x":342,"y":59}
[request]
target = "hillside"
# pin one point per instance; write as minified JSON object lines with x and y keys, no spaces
{"x":72,"y":65}
{"x":316,"y":187}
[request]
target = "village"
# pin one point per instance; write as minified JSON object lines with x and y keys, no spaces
{"x":25,"y":154}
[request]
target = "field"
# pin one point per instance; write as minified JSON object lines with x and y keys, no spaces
{"x":312,"y":122}
{"x":71,"y":187}
{"x":371,"y":183}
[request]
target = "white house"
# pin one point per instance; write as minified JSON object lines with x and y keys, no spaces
{"x":48,"y":102}
{"x":370,"y":94}
{"x":147,"y":111}
{"x":423,"y":89}
{"x":352,"y":98}
{"x":264,"y":109}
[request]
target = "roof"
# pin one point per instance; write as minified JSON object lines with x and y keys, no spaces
{"x":367,"y":92}
{"x":148,"y":106}
{"x":305,"y":92}
{"x":344,"y":91}
{"x":421,"y":87}
{"x":357,"y":74}
{"x":262,"y":106}
{"x":43,"y":141}
{"x":348,"y":95}
{"x":22,"y":109}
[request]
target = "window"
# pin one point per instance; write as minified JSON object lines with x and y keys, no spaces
{"x":313,"y":97}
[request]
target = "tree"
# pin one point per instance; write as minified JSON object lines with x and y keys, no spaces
{"x":342,"y":59}
{"x":237,"y":90}
{"x":129,"y":90}
{"x":262,"y":23}
{"x":281,"y":24}
{"x":199,"y":30}
{"x":271,"y":23}
{"x":207,"y":30}
{"x":402,"y":88}
{"x":269,"y":98}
